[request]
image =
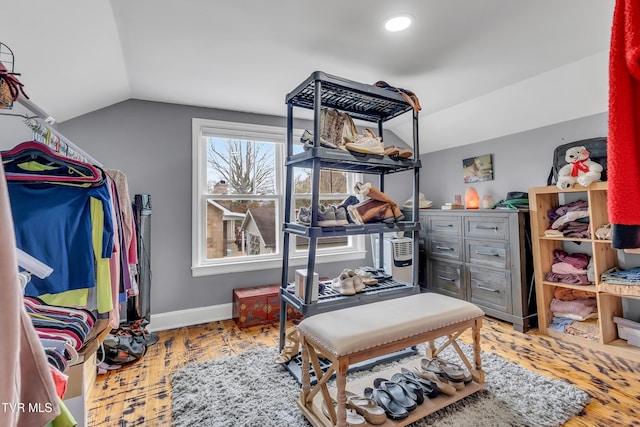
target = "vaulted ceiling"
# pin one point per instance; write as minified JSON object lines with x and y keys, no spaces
{"x":481,"y":68}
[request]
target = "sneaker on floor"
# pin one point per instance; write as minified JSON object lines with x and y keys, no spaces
{"x":307,"y":140}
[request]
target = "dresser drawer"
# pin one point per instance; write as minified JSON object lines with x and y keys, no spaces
{"x":445,"y":247}
{"x":488,"y":254}
{"x":490,"y":288}
{"x":486,"y":227}
{"x":445,"y":278}
{"x":451,"y":225}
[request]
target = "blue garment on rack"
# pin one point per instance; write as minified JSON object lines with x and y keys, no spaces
{"x":53,"y":223}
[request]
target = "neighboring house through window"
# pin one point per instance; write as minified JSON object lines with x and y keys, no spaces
{"x":259,"y":230}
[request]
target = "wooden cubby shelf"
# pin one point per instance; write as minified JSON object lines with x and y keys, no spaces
{"x":603,"y":256}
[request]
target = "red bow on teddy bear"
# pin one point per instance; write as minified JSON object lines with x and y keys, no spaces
{"x":578,"y":166}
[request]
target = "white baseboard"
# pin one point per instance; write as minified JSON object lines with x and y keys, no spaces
{"x":192,"y":316}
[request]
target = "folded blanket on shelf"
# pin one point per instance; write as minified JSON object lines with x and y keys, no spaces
{"x":623,"y":288}
{"x":570,"y":294}
{"x":577,"y":259}
{"x":588,"y":329}
{"x":581,"y":308}
{"x":631,"y":274}
{"x":578,"y":205}
{"x":560,"y":323}
{"x":566,"y":268}
{"x":573,"y":279}
{"x":575,"y":229}
{"x":569,"y":217}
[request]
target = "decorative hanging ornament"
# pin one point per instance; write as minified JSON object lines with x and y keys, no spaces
{"x":10,"y":86}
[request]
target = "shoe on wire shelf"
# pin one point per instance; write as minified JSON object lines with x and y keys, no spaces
{"x":307,"y":140}
{"x":366,"y":143}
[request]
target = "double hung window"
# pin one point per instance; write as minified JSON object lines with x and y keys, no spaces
{"x":238,"y":200}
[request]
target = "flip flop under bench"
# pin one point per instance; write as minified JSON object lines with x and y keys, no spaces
{"x":355,"y":334}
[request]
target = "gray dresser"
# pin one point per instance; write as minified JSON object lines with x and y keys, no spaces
{"x":482,"y":256}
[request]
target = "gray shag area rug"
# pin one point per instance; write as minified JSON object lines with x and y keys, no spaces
{"x":251,"y":390}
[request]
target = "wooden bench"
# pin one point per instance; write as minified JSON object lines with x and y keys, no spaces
{"x":356,"y":334}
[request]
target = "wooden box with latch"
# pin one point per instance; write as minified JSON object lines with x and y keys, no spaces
{"x":259,"y":305}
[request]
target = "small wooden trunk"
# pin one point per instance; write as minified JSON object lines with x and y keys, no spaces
{"x":259,"y":305}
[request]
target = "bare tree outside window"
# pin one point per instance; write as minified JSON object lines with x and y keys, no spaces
{"x":331,"y":182}
{"x":247,"y":167}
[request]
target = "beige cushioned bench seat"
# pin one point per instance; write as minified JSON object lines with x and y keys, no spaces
{"x":356,"y":329}
{"x":359,"y":333}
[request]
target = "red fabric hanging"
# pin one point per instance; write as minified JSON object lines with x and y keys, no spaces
{"x":624,"y":115}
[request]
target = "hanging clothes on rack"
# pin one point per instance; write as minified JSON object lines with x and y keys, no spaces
{"x":63,"y":331}
{"x":47,"y":135}
{"x":51,"y":204}
{"x":71,"y":214}
{"x":128,"y":223}
{"x":35,"y":162}
{"x":25,"y":372}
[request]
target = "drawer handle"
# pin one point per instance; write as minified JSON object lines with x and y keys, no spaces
{"x":443,"y":248}
{"x":487,"y":253}
{"x":444,"y":226}
{"x":489,"y":227}
{"x":448,"y":279}
{"x":487,"y":289}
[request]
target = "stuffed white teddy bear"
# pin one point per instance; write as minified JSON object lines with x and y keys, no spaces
{"x":579,"y":169}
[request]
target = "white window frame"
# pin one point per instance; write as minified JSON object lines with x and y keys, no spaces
{"x":200,"y":265}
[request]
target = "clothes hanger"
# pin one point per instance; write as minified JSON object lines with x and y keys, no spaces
{"x":24,"y":116}
{"x":36,"y":162}
{"x":34,"y":172}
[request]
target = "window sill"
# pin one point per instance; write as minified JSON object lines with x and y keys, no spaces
{"x":273,"y":263}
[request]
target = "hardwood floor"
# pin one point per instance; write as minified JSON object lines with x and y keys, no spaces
{"x":140,"y":394}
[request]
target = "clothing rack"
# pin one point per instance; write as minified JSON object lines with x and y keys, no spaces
{"x":42,"y":125}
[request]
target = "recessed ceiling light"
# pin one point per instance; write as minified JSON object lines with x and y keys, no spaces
{"x":398,"y":23}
